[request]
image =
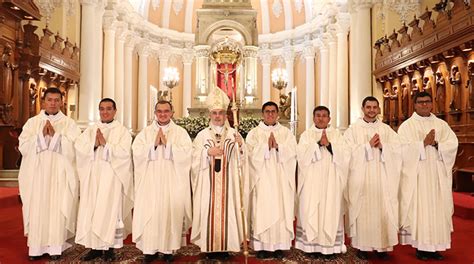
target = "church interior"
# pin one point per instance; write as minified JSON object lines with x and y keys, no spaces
{"x":297,"y":53}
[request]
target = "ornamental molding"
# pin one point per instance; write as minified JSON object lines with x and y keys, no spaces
{"x":299,"y":6}
{"x":277,"y":8}
{"x":265,"y":56}
{"x":177,"y":6}
{"x":155,"y":4}
{"x":404,"y":8}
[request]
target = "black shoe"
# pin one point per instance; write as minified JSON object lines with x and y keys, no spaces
{"x":168,"y":258}
{"x":92,"y":254}
{"x":278,"y":254}
{"x":421,"y":255}
{"x":109,"y":255}
{"x":382,"y":255}
{"x":55,"y":257}
{"x":224,"y":255}
{"x":34,"y":258}
{"x":262,"y":254}
{"x":148,"y":258}
{"x":435,"y":255}
{"x":315,"y":255}
{"x":328,"y":256}
{"x":364,"y":255}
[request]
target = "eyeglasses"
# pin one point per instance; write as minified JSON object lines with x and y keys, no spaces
{"x":424,"y":102}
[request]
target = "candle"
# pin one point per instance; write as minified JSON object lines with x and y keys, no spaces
{"x":296,"y":104}
{"x":292,"y":105}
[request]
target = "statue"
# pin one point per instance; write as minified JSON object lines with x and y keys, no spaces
{"x":427,"y":85}
{"x":394,"y":97}
{"x":455,"y":80}
{"x":470,"y":74}
{"x":33,"y":96}
{"x":405,"y":103}
{"x":386,"y":105}
{"x":440,"y":92}
{"x":6,"y":83}
{"x":415,"y":88}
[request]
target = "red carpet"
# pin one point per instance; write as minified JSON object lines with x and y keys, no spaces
{"x":463,"y":205}
{"x":13,"y":247}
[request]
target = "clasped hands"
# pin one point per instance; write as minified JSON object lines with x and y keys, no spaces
{"x":324,"y":141}
{"x":430,"y":138}
{"x":272,"y":142}
{"x":48,"y":129}
{"x":160,"y":138}
{"x":375,"y":141}
{"x":99,"y":139}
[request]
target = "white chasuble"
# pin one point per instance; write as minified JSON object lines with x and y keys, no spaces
{"x":217,"y":219}
{"x":272,"y":187}
{"x":106,"y":187}
{"x":162,"y":189}
{"x":372,"y":186}
{"x":322,"y":178}
{"x":48,"y":183}
{"x":426,"y":202}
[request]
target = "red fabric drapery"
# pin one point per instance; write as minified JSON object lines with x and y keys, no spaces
{"x":222,"y":68}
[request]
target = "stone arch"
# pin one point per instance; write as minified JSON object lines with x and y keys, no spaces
{"x":246,"y":34}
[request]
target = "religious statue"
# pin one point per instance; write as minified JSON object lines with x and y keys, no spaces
{"x":440,"y":92}
{"x":386,"y":105}
{"x":427,"y":85}
{"x":6,"y":83}
{"x":33,"y":91}
{"x":455,"y":80}
{"x":226,"y":78}
{"x":394,"y":97}
{"x":405,"y":102}
{"x":285,"y":106}
{"x":415,"y":88}
{"x":470,"y":74}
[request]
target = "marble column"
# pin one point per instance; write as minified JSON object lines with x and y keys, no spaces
{"x":250,"y":70}
{"x":109,"y":54}
{"x":164,"y":56}
{"x":120,"y":73}
{"x":332,"y":46}
{"x":128,"y":81}
{"x":343,"y":21}
{"x":265,"y":56}
{"x":324,"y":78}
{"x":90,"y":90}
{"x":187,"y":58}
{"x":362,"y":73}
{"x":308,"y":52}
{"x":203,"y":78}
{"x":289,"y":56}
{"x":143,"y":53}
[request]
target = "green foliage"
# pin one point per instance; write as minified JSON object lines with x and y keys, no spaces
{"x":195,"y":124}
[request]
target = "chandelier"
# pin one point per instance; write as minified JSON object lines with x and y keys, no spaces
{"x":279,"y":79}
{"x":171,"y":79}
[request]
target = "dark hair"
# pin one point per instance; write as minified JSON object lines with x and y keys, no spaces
{"x":269,"y":103}
{"x":110,"y":101}
{"x":52,"y":90}
{"x":164,"y":102}
{"x":369,"y":98}
{"x":422,"y":94}
{"x":321,"y":108}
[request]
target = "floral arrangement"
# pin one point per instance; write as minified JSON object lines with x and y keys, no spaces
{"x":195,"y":124}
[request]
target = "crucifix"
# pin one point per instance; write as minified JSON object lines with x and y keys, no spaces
{"x":226,"y":73}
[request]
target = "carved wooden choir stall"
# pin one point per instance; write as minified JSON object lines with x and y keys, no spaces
{"x":436,"y":57}
{"x":29,"y":64}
